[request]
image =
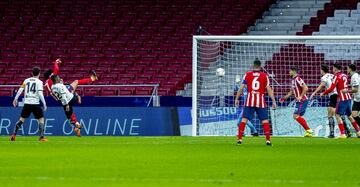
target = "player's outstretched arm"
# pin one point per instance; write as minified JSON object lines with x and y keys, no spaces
{"x":15,"y":102}
{"x":289,"y":94}
{"x":353,"y":89}
{"x":321,"y":86}
{"x":332,"y":87}
{"x":41,"y":95}
{"x":271,"y":94}
{"x":239,"y":93}
{"x":56,"y":66}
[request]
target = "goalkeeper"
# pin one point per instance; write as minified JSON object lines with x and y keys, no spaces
{"x":253,"y":130}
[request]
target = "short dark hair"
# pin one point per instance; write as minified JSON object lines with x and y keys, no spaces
{"x":325,"y":68}
{"x":36,"y":71}
{"x":257,"y":63}
{"x":53,"y":78}
{"x":48,"y":73}
{"x":294,"y":68}
{"x":337,"y":66}
{"x":352,"y":67}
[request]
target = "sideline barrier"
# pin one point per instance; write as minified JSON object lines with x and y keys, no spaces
{"x":98,"y":121}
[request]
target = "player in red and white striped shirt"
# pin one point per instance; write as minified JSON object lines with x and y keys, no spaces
{"x":299,"y":89}
{"x":48,"y":73}
{"x":257,"y":84}
{"x":343,"y":107}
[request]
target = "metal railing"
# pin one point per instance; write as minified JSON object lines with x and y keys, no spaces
{"x":154,"y":98}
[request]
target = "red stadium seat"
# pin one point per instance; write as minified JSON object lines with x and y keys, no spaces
{"x":6,"y":91}
{"x":125,"y":40}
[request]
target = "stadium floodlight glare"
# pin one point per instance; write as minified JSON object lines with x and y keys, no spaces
{"x":213,"y":111}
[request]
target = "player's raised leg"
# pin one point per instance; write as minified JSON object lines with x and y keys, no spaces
{"x":76,"y":83}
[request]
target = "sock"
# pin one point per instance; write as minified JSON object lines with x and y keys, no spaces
{"x":41,"y":129}
{"x":355,"y":125}
{"x":357,"y":119}
{"x":84,"y":81}
{"x":331,"y":125}
{"x":342,"y":128}
{"x":267,"y":130}
{"x":241,"y":130}
{"x":302,"y":122}
{"x":17,"y":126}
{"x":346,"y":126}
{"x":73,"y":118}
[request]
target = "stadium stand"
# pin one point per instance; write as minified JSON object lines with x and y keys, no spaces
{"x":337,"y":18}
{"x":287,"y":17}
{"x":328,"y":11}
{"x":131,"y":42}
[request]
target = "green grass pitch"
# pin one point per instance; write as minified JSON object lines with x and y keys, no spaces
{"x":178,"y":161}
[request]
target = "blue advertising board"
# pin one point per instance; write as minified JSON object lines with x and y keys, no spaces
{"x":98,"y":121}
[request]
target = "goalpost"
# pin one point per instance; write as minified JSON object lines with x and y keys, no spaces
{"x":213,"y":111}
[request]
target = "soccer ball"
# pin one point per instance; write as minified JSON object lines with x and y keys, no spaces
{"x":220,"y":72}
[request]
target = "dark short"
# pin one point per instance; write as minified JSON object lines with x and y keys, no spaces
{"x":71,"y":110}
{"x":333,"y":101}
{"x":69,"y":87}
{"x":262,"y":113}
{"x":34,"y":109}
{"x":356,"y":106}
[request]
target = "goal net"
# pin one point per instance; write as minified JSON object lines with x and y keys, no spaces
{"x":213,"y":93}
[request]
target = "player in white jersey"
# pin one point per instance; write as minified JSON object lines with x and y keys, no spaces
{"x":355,"y":90}
{"x":33,"y":93}
{"x":326,"y":81}
{"x":66,"y":94}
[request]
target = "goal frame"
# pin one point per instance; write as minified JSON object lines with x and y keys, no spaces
{"x":196,"y":38}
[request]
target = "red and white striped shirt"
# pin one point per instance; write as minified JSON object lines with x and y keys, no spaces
{"x":340,"y":82}
{"x":48,"y":82}
{"x":48,"y":85}
{"x":297,"y":86}
{"x":256,"y":83}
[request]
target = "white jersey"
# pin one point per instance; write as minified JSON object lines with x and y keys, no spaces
{"x":355,"y":82}
{"x":32,"y":87}
{"x":62,"y":93}
{"x":328,"y":79}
